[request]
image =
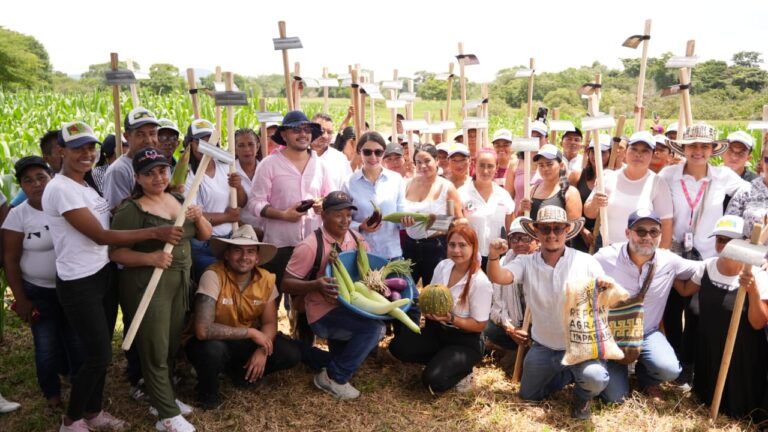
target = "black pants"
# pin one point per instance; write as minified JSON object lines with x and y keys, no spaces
{"x":212,"y":357}
{"x":278,"y":264}
{"x":448,"y":353}
{"x":425,"y":254}
{"x":90,"y":305}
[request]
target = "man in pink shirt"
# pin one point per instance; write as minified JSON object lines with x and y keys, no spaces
{"x":282,"y":181}
{"x":351,"y":337}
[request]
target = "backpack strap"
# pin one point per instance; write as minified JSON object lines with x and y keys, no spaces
{"x":312,"y":275}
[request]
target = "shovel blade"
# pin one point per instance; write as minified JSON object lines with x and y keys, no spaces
{"x":266,"y":116}
{"x":120,"y":77}
{"x":525,"y":144}
{"x":681,"y":62}
{"x":392,"y":85}
{"x":561,"y":126}
{"x":671,"y":90}
{"x":633,"y":41}
{"x":230,"y":98}
{"x":474,"y":123}
{"x":286,"y":43}
{"x":523,"y":73}
{"x":406,"y":96}
{"x":328,"y":82}
{"x":414,"y":125}
{"x":599,"y":122}
{"x":448,"y":124}
{"x":586,"y":90}
{"x":311,"y":82}
{"x":215,"y":153}
{"x":396,"y":104}
{"x":745,"y":252}
{"x":442,"y":223}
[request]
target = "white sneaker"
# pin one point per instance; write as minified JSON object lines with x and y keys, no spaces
{"x":339,"y":391}
{"x":7,"y":406}
{"x":78,"y":426}
{"x":185,"y":409}
{"x":174,"y":424}
{"x":107,"y":422}
{"x":465,"y":385}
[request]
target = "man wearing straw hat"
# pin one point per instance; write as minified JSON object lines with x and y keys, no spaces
{"x":543,"y":275}
{"x":235,"y":318}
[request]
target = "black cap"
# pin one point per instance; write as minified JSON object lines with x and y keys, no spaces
{"x":28,"y":162}
{"x":148,"y":158}
{"x":338,"y":200}
{"x":575,"y":131}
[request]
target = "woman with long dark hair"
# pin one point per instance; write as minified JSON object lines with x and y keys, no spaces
{"x":450,"y":346}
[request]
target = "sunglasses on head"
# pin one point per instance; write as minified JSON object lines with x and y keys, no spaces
{"x":548,"y":229}
{"x":642,"y":232}
{"x":368,"y":152}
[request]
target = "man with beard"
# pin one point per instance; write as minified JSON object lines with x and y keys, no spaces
{"x":630,"y":264}
{"x":285,"y":179}
{"x":338,"y":164}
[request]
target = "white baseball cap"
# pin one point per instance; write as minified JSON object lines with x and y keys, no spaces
{"x":741,"y":137}
{"x":540,"y":127}
{"x":729,"y":226}
{"x":643,"y":137}
{"x":502,"y":134}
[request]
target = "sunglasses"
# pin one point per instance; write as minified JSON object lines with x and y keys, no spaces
{"x":302,"y":128}
{"x":644,"y":232}
{"x":548,"y":229}
{"x":368,"y":152}
{"x":520,"y":238}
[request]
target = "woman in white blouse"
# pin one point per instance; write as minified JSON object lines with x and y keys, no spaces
{"x":450,"y":346}
{"x":486,"y":205}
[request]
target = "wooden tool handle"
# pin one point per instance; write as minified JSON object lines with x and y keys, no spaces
{"x":133,"y":87}
{"x":286,"y":69}
{"x":612,"y":162}
{"x":193,"y":92}
{"x":527,"y":165}
{"x":229,"y":83}
{"x":519,"y":357}
{"x":113,"y":62}
{"x":530,"y":89}
{"x":639,"y":111}
{"x":599,"y":187}
{"x":354,"y":99}
{"x":217,"y":109}
{"x":263,"y":138}
{"x":158,"y":272}
{"x":730,"y":340}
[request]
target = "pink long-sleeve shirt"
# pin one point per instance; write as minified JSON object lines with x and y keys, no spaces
{"x":279,"y":184}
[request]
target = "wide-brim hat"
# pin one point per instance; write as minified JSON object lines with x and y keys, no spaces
{"x":293,"y":119}
{"x":244,"y":236}
{"x":699,"y":133}
{"x":553,"y":214}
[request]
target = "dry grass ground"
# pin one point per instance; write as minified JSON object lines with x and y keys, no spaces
{"x":393,"y":399}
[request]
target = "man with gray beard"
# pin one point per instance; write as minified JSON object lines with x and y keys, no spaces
{"x":630,"y":264}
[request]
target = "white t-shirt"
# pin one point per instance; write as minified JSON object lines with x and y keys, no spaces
{"x":213,"y":195}
{"x":338,"y":166}
{"x":544,"y":290}
{"x":77,"y":256}
{"x":38,"y":258}
{"x":574,"y":164}
{"x":730,"y":283}
{"x":486,"y":218}
{"x":480,"y":292}
{"x":626,"y":196}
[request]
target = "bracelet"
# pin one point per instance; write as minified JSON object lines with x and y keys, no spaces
{"x":494,"y":259}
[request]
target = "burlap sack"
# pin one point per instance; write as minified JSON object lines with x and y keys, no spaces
{"x":585,"y":316}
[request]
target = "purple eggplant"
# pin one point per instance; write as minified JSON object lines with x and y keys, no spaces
{"x":396,"y":284}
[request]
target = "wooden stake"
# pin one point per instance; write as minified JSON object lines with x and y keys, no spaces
{"x":530,"y":89}
{"x":462,"y":88}
{"x":639,"y":111}
{"x":373,"y":105}
{"x":325,"y":91}
{"x":133,"y":87}
{"x":427,"y":136}
{"x":483,"y":133}
{"x":527,"y":164}
{"x":354,"y":96}
{"x":393,"y":96}
{"x":192,"y":85}
{"x":765,"y":118}
{"x":552,"y":133}
{"x":116,"y":107}
{"x":286,"y":70}
{"x":409,"y":116}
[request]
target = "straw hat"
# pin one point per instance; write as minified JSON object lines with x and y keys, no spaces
{"x":243,"y":236}
{"x":553,"y":214}
{"x":699,"y":133}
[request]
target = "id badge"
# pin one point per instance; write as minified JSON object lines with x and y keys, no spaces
{"x":688,"y":241}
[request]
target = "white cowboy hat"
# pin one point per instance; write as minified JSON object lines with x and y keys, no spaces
{"x":699,"y":133}
{"x":244,"y":236}
{"x":553,"y":214}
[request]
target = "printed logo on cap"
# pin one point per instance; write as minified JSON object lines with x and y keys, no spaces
{"x":75,"y":130}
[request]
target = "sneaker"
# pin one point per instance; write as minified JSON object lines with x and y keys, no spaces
{"x":174,"y":424}
{"x":106,"y":421}
{"x":78,"y":426}
{"x":339,"y":391}
{"x":685,"y":379}
{"x":653,"y":392}
{"x":580,"y":409}
{"x":7,"y":406}
{"x":208,"y":401}
{"x":465,"y":385}
{"x":185,"y":409}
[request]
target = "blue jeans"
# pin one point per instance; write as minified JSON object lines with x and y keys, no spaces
{"x":58,"y":350}
{"x":498,"y":336}
{"x":657,"y":363}
{"x":202,"y":257}
{"x":350,"y":339}
{"x":544,"y":374}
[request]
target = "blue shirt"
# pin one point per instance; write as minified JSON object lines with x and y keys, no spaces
{"x":388,"y":192}
{"x":616,"y":262}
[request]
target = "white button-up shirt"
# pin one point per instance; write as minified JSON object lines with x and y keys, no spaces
{"x":478,"y":305}
{"x":486,"y":217}
{"x":721,"y":181}
{"x":339,"y":167}
{"x":544,"y":289}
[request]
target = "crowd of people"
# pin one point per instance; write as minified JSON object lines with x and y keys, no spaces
{"x":87,"y":231}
